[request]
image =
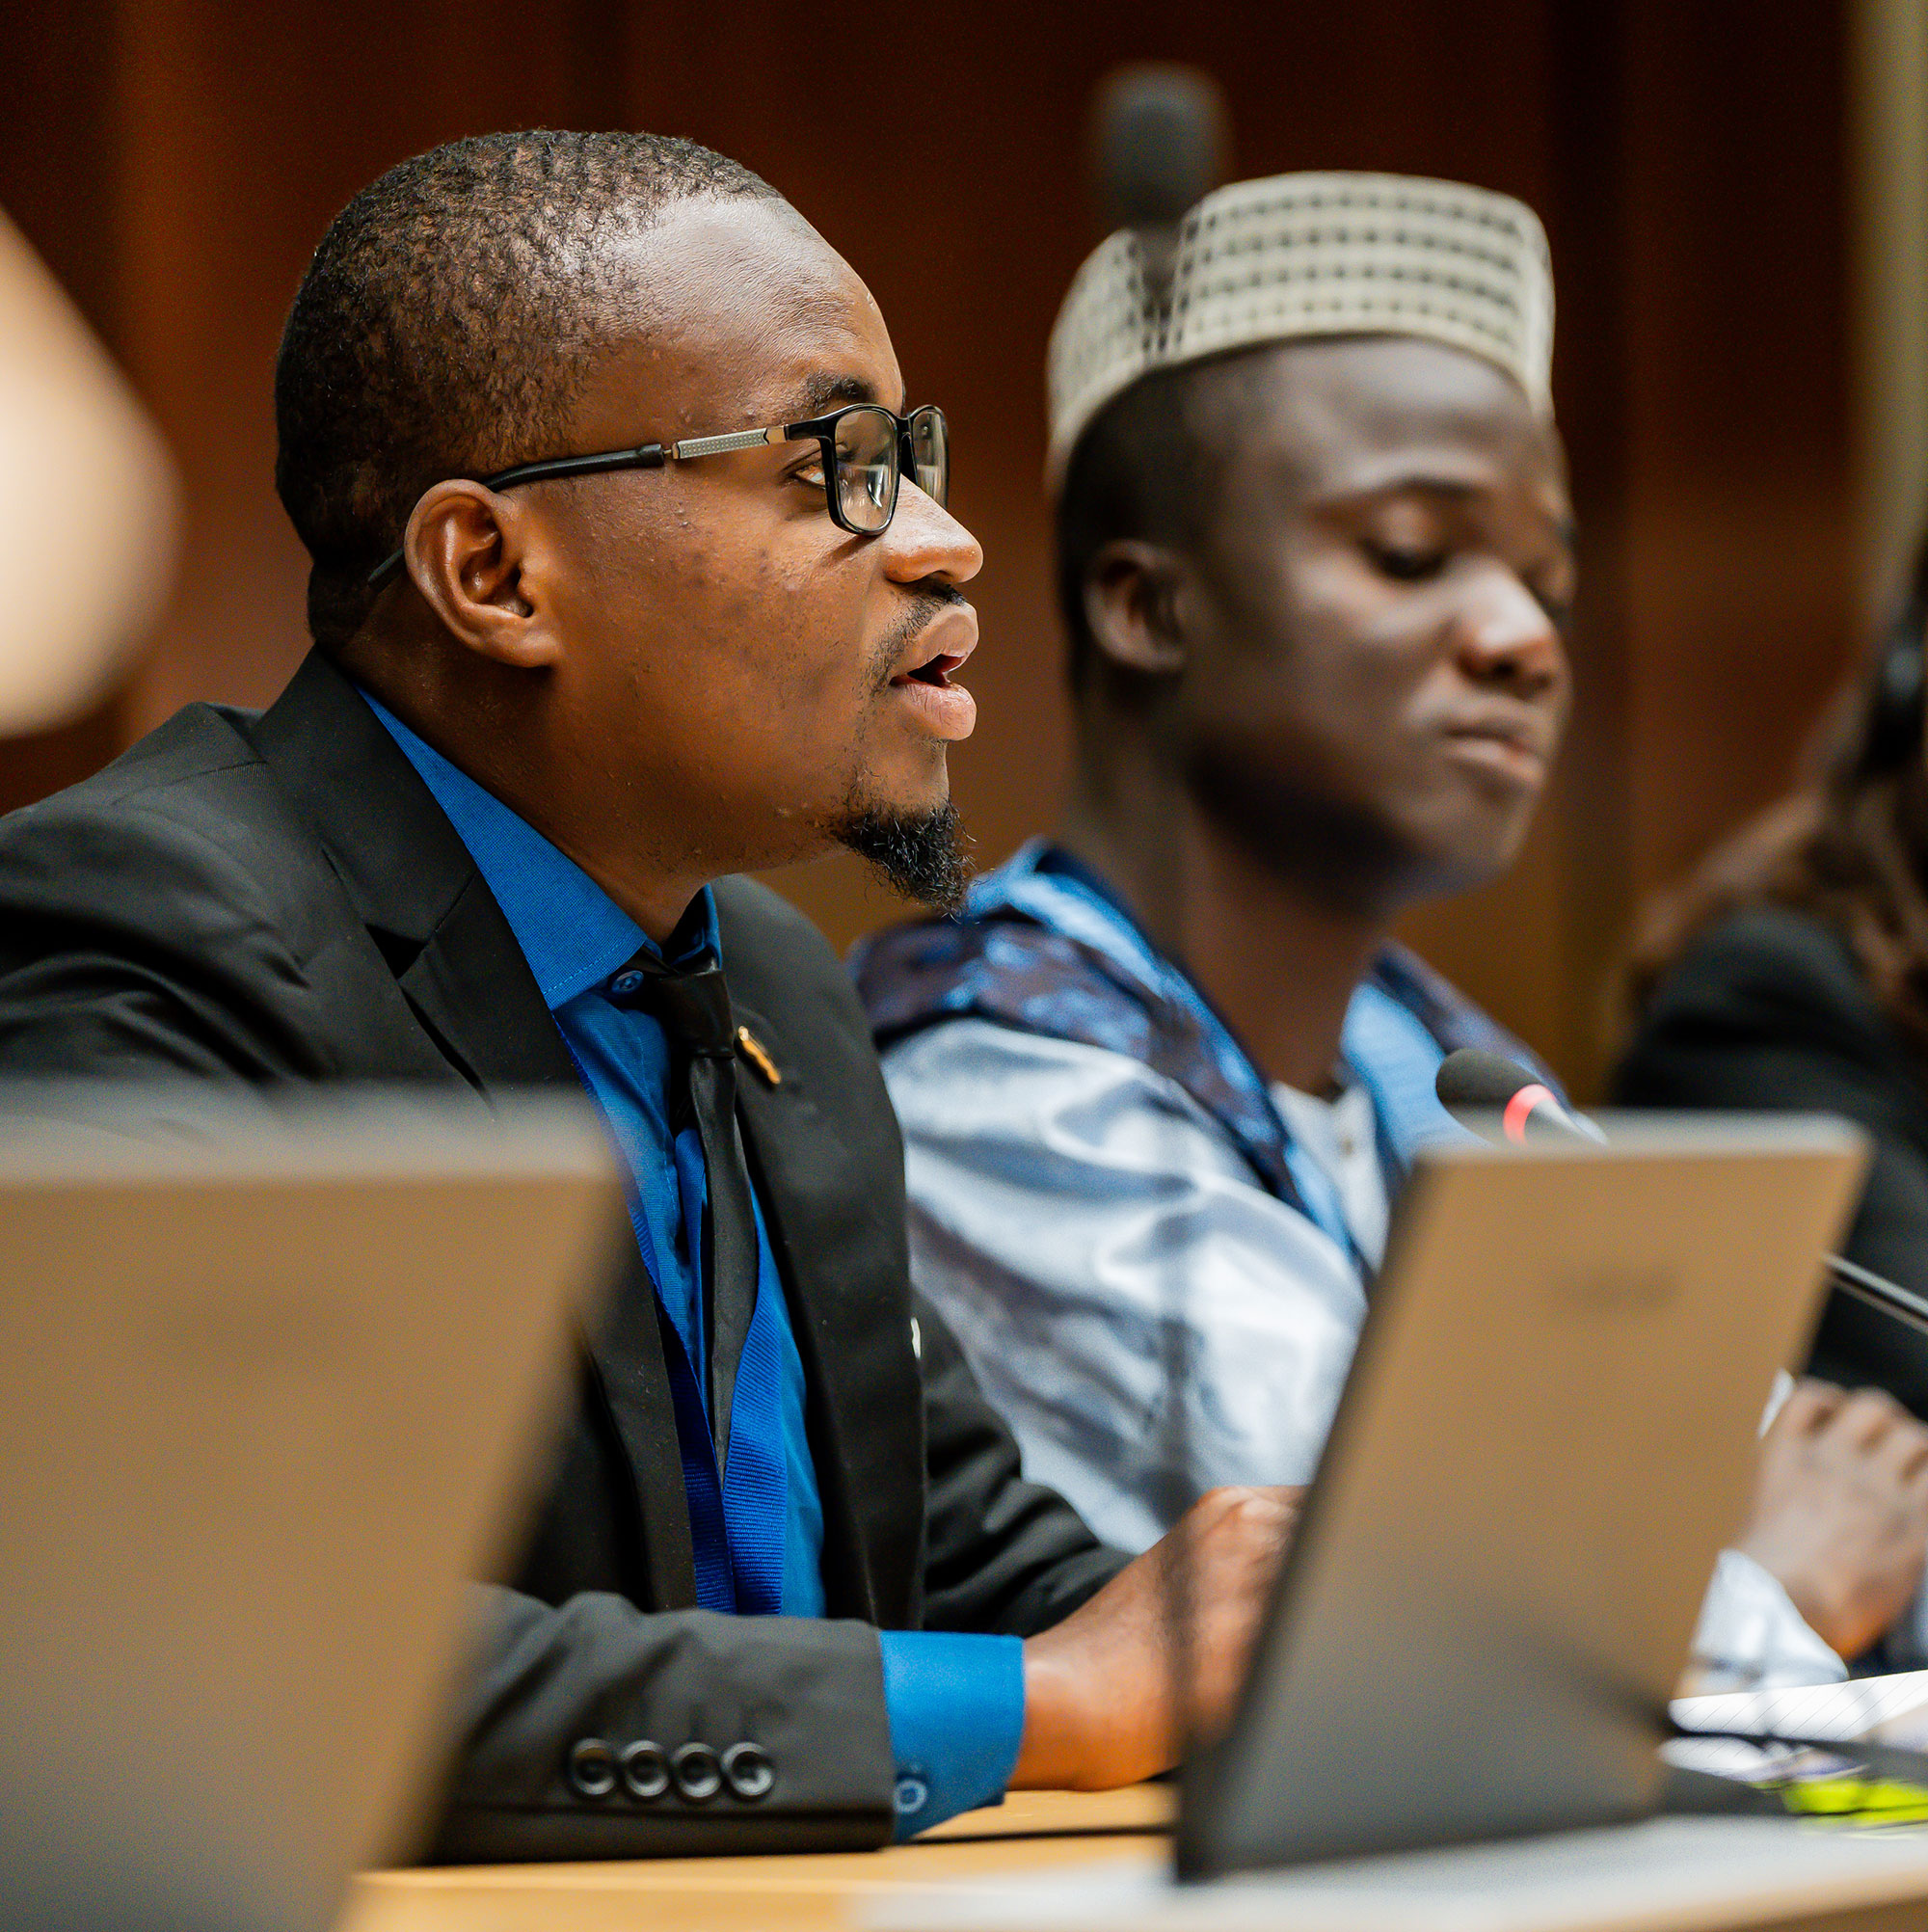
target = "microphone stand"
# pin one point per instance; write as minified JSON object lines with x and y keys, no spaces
{"x":1879,"y":1292}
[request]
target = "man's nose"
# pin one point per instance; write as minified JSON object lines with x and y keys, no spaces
{"x":1504,"y":634}
{"x":924,"y":541}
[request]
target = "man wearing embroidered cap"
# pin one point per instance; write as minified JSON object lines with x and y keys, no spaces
{"x":1315,"y":554}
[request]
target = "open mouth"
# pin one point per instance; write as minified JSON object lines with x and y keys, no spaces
{"x":941,"y":709}
{"x":936,"y":672}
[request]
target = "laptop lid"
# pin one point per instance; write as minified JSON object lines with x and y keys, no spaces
{"x":272,"y":1380}
{"x":1548,"y":1435}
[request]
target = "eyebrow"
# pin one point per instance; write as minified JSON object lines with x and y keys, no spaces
{"x":818,"y":394}
{"x":1454,"y":490}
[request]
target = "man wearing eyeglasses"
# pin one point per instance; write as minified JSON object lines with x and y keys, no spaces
{"x":631,"y":571}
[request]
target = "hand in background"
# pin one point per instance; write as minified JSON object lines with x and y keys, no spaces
{"x":1098,"y":1687}
{"x":1840,"y":1513}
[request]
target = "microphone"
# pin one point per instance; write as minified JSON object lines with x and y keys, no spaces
{"x":1473,"y":1086}
{"x":1159,"y":138}
{"x":1470,"y":1081}
{"x":1158,"y":146}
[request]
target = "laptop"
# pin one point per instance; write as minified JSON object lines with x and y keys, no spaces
{"x":274,"y":1379}
{"x":1548,"y":1435}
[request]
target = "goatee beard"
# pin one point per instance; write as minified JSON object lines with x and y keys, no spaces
{"x":923,"y":855}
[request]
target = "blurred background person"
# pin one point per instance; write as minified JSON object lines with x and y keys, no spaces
{"x":1169,"y":1071}
{"x":88,"y":503}
{"x":1790,"y":974}
{"x":1313,"y":563}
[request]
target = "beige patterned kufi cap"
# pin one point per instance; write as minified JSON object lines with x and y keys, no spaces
{"x":1307,"y":255}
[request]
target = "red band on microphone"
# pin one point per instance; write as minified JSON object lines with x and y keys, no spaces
{"x":1513,"y":1122}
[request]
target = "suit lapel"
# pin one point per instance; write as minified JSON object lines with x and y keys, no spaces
{"x":471,"y":987}
{"x":414,"y":886}
{"x":474,"y":991}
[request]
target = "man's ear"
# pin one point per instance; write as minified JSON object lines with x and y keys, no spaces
{"x":478,"y":559}
{"x":1131,"y":606}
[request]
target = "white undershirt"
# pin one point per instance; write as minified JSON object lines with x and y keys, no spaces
{"x":1341,"y":1138}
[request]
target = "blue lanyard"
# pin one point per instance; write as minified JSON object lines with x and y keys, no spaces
{"x":1389,"y":1050}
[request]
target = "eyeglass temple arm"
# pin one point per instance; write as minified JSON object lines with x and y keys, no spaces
{"x":721,"y":446}
{"x":646,"y":456}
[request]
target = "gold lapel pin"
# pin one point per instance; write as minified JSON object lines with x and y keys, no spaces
{"x":753,"y":1050}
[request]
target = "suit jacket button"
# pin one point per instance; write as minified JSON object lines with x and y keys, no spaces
{"x":695,"y":1770}
{"x":645,"y":1769}
{"x":749,"y":1770}
{"x":592,"y":1768}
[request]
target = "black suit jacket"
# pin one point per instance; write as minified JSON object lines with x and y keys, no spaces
{"x":279,"y":898}
{"x":1769,"y":1010}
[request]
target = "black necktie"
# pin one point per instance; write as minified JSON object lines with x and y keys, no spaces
{"x":693,"y":1009}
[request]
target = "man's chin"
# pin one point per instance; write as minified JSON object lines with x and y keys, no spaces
{"x":921,"y":852}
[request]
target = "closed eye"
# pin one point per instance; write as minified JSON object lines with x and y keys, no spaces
{"x":1405,"y":566}
{"x":1557,"y":604}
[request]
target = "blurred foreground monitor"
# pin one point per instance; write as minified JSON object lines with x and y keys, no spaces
{"x":273,"y":1380}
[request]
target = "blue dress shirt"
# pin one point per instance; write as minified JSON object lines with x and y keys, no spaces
{"x":955,"y":1700}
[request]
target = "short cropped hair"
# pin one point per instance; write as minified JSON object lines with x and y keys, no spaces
{"x":1149,"y":468}
{"x":445,"y":327}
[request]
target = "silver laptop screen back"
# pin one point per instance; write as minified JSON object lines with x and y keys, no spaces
{"x":1548,"y":1435}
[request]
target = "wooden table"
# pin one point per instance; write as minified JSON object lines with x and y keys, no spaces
{"x":761,"y":1894}
{"x":825,"y":1893}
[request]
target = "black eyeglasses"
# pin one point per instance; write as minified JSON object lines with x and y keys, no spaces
{"x":868,"y":450}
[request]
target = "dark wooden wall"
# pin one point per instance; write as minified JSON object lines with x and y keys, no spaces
{"x":177,"y":160}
